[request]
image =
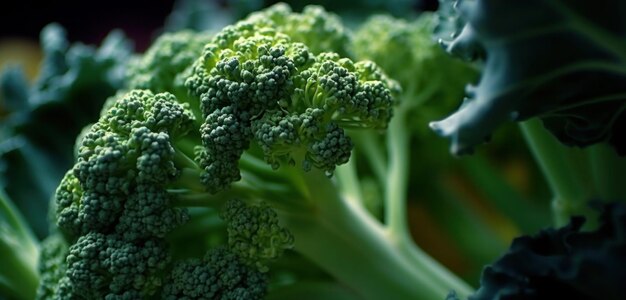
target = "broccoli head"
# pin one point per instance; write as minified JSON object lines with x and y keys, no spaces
{"x":183,"y":135}
{"x":126,"y":194}
{"x":256,"y":84}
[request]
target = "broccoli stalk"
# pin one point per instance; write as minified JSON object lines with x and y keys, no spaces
{"x":19,"y":252}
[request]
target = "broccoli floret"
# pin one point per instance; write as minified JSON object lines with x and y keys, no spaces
{"x":220,"y":275}
{"x":424,"y":70}
{"x":128,"y":191}
{"x":256,"y":84}
{"x":129,"y":146}
{"x":255,"y":234}
{"x":164,"y":66}
{"x":101,"y":266}
{"x":52,"y":267}
{"x":148,"y":213}
{"x":320,"y":30}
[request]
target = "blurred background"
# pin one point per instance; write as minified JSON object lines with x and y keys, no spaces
{"x":22,"y":20}
{"x":89,"y":22}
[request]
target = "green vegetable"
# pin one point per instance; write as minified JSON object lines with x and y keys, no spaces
{"x":264,"y":121}
{"x":288,"y":157}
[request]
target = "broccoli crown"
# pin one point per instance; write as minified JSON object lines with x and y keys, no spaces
{"x":256,"y":84}
{"x":119,"y":203}
{"x":159,"y":149}
{"x":320,"y":30}
{"x":114,"y":206}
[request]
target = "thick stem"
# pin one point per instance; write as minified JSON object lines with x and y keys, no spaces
{"x":569,"y":196}
{"x":347,"y":242}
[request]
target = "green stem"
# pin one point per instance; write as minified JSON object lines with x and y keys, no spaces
{"x":342,"y":238}
{"x":349,"y":181}
{"x":550,"y":155}
{"x":189,"y":179}
{"x":396,"y":212}
{"x":182,"y":160}
{"x":19,"y":253}
{"x":397,"y":178}
{"x":438,"y":273}
{"x":367,"y":144}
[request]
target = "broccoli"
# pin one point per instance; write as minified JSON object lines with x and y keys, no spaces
{"x":320,"y":30}
{"x":118,"y":203}
{"x":274,"y":159}
{"x":255,"y":131}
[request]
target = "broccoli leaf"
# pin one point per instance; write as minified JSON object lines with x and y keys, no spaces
{"x":564,"y":263}
{"x":561,"y":61}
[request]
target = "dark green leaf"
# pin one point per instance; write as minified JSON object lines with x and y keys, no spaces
{"x":561,"y":61}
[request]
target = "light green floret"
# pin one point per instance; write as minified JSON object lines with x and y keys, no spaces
{"x":315,"y":27}
{"x":407,"y":50}
{"x":163,"y":67}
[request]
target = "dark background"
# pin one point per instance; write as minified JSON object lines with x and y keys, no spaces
{"x":89,"y":21}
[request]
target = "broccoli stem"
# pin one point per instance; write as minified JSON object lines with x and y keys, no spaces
{"x":397,"y":178}
{"x":396,"y":212}
{"x":364,"y":256}
{"x":349,"y":182}
{"x":189,"y":179}
{"x":19,"y":253}
{"x":569,"y":196}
